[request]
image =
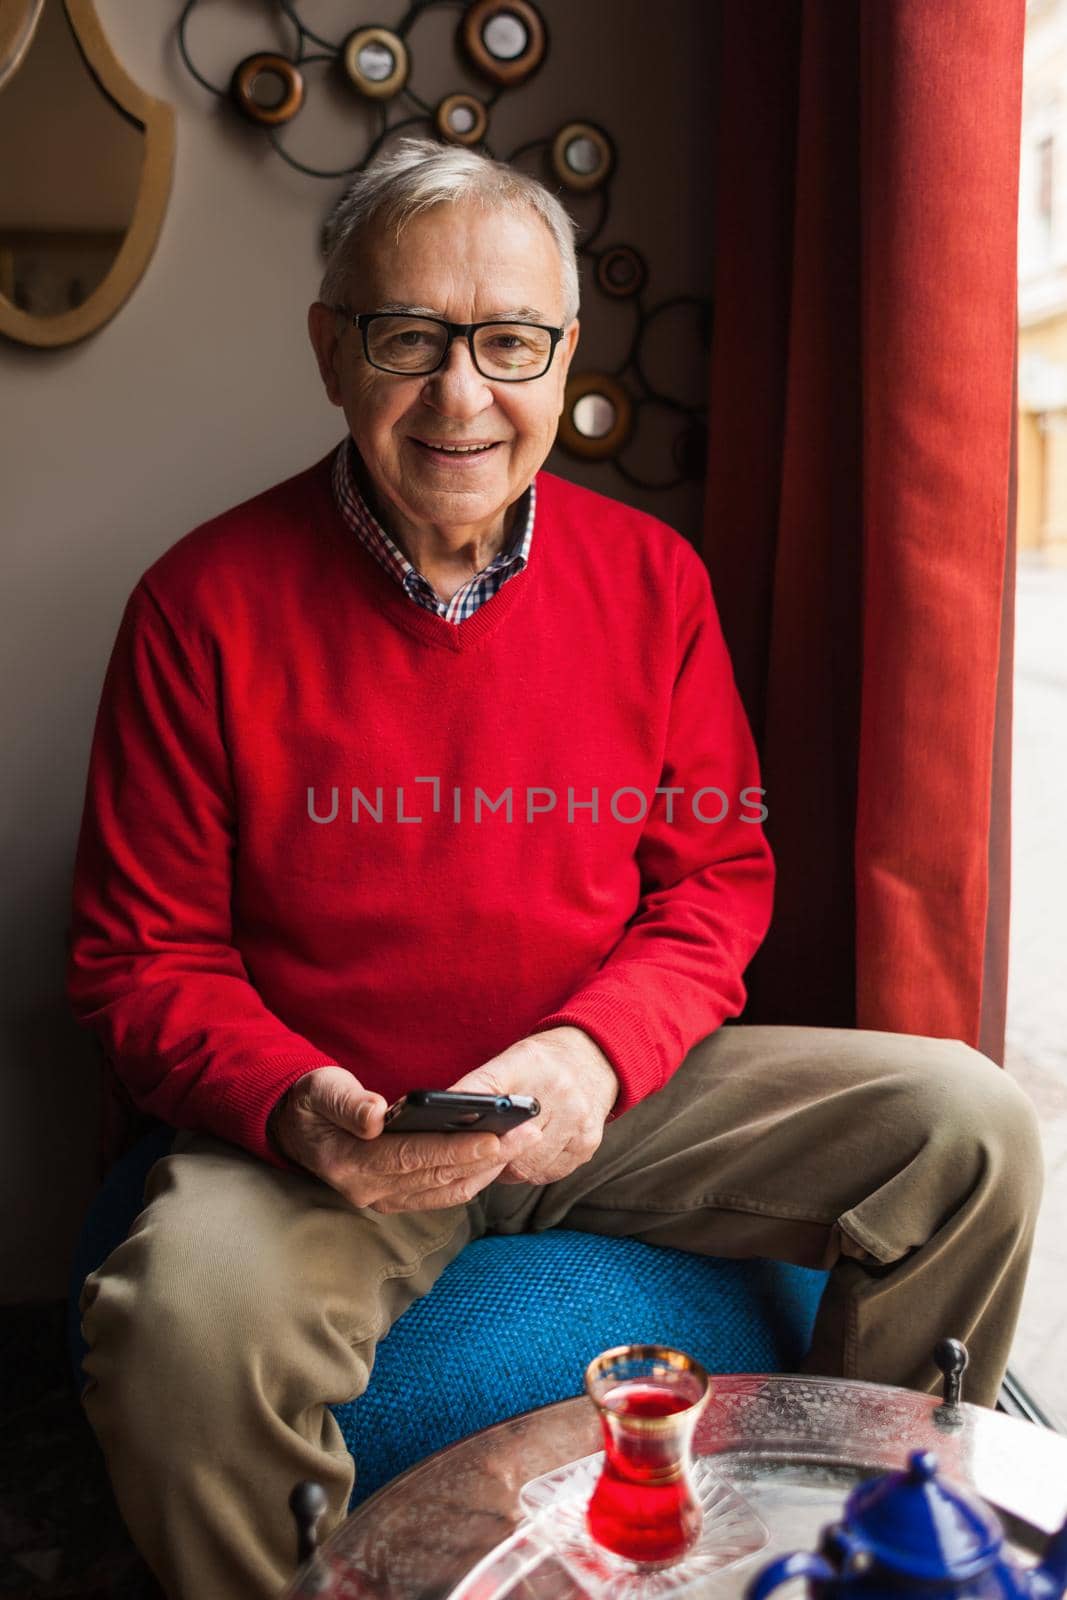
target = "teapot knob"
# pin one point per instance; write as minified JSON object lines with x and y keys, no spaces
{"x":307,"y":1503}
{"x":922,"y":1466}
{"x":951,"y":1358}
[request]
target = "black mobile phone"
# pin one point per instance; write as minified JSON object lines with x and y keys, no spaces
{"x":450,"y":1111}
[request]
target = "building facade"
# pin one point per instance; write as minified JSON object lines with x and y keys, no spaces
{"x":1042,"y":507}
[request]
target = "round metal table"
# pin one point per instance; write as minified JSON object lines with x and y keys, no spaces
{"x":793,"y":1447}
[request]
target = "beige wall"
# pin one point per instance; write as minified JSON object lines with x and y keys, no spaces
{"x":201,"y":391}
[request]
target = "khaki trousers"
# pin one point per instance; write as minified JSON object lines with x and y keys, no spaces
{"x":246,"y":1299}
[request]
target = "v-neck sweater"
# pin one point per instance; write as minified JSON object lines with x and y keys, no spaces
{"x":324,"y":825}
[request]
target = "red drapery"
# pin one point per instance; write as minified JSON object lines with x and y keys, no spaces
{"x":860,"y":499}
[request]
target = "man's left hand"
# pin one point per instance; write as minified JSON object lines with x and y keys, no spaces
{"x":576,"y":1085}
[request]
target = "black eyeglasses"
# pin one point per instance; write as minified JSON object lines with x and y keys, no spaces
{"x":505,"y":352}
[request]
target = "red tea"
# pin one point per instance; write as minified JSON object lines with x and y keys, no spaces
{"x":643,"y":1506}
{"x":644,"y":1398}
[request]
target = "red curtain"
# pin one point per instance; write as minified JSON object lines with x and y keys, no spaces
{"x":860,"y":492}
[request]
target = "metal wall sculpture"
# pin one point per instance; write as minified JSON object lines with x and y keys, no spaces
{"x":505,"y":42}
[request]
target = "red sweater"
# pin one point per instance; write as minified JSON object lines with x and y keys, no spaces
{"x":225,"y":942}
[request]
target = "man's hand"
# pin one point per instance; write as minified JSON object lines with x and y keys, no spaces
{"x":330,"y":1124}
{"x":576,"y":1084}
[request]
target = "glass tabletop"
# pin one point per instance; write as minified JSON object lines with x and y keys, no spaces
{"x":792,"y":1447}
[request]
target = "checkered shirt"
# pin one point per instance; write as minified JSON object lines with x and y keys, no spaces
{"x":480,"y":588}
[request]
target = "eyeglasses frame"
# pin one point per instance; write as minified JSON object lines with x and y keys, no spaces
{"x":455,"y":330}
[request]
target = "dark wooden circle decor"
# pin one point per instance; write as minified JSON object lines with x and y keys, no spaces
{"x":597,"y":416}
{"x":505,"y":39}
{"x":620,"y":271}
{"x":582,"y":156}
{"x":461,"y":119}
{"x":250,"y":71}
{"x":376,"y":62}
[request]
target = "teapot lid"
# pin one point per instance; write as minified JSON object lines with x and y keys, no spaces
{"x":916,"y":1524}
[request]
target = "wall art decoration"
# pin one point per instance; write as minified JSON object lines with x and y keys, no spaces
{"x":504,"y":42}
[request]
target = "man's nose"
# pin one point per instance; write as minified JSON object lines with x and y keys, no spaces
{"x":457,"y":388}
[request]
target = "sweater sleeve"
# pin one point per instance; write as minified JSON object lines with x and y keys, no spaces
{"x":153,"y":969}
{"x":706,"y":885}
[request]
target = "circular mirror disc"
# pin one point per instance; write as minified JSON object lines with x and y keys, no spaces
{"x":376,"y":62}
{"x":505,"y":36}
{"x":593,"y":415}
{"x":582,"y":156}
{"x":268,"y":89}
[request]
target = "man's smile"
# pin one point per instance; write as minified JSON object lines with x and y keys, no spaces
{"x":457,"y":452}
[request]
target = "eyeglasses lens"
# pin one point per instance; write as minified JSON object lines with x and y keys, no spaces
{"x":503,"y":350}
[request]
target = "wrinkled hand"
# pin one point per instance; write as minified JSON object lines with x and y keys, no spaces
{"x":576,"y":1084}
{"x":332,"y":1126}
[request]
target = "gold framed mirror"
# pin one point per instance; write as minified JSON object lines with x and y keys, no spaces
{"x":18,"y":22}
{"x":86,"y":158}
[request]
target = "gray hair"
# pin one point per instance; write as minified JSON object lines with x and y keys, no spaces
{"x":415,"y":174}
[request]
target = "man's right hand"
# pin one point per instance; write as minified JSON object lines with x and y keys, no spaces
{"x":328,"y":1123}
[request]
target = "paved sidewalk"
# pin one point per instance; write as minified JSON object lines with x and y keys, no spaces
{"x":1037,"y":985}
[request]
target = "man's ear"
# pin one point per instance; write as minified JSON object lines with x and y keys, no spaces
{"x":567,"y":346}
{"x":324,"y":330}
{"x":570,"y":343}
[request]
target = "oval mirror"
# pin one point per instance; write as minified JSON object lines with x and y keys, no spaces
{"x":85,"y":169}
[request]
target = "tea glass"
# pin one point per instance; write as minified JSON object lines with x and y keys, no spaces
{"x":649,"y":1398}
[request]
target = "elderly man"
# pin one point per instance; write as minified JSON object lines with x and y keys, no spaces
{"x":426,"y":769}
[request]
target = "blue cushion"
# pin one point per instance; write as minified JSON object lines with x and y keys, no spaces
{"x":512,"y":1323}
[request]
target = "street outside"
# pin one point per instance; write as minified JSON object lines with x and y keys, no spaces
{"x":1037,"y":985}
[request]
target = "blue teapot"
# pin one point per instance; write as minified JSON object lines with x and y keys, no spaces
{"x":910,"y":1533}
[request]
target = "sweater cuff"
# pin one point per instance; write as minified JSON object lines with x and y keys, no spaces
{"x":241,"y":1115}
{"x":624,"y":1039}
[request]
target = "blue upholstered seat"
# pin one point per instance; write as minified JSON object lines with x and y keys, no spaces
{"x":513,"y":1321}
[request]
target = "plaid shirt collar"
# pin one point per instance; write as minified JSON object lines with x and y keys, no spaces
{"x":481,"y":587}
